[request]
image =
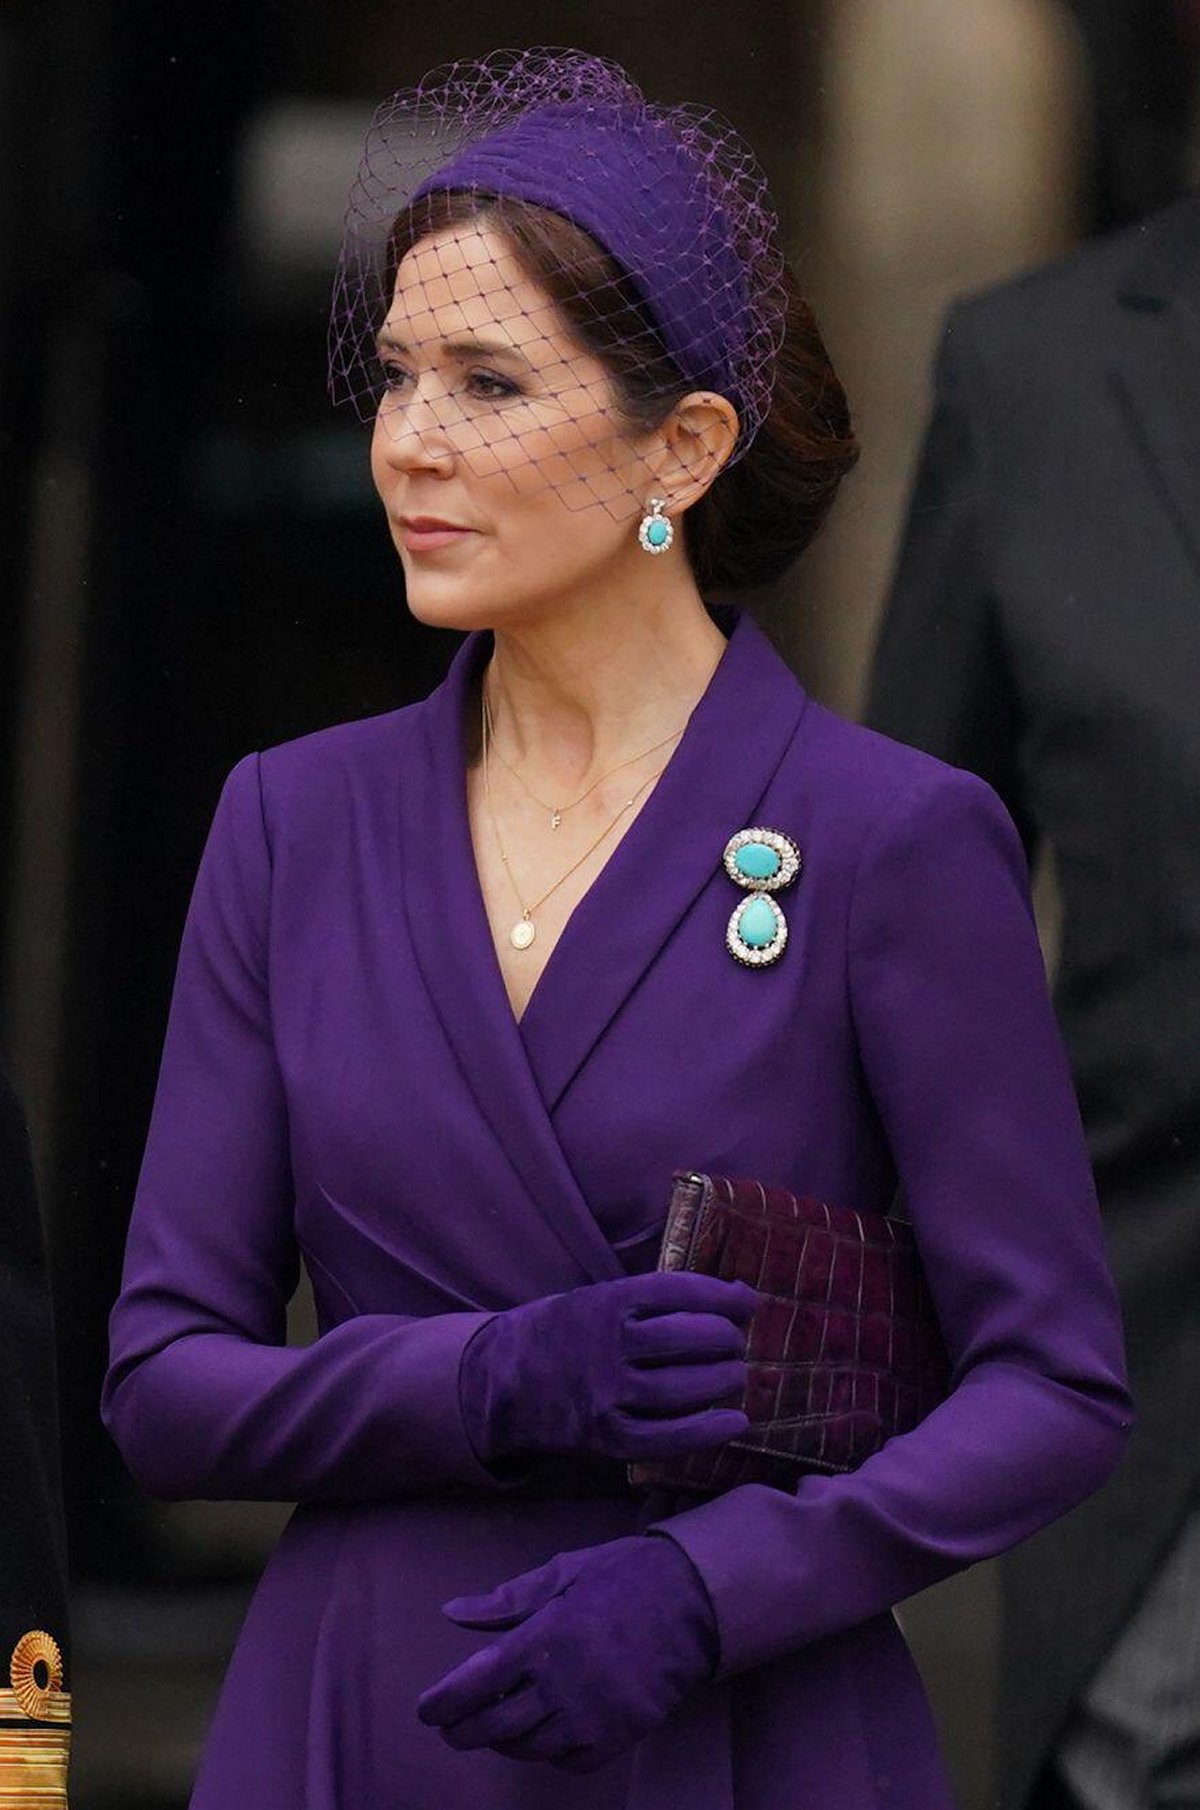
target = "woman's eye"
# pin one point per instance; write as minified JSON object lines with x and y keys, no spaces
{"x":393,"y":376}
{"x":489,"y":387}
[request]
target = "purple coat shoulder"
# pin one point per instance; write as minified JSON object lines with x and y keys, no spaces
{"x":344,"y":1086}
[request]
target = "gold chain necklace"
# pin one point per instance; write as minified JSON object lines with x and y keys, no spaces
{"x":523,"y":932}
{"x":559,"y":811}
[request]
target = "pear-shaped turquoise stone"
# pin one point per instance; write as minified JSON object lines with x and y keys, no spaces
{"x":757,"y":860}
{"x":757,"y":925}
{"x":656,"y":532}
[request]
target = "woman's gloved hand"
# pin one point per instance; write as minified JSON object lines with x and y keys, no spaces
{"x":600,"y":1647}
{"x":628,"y":1370}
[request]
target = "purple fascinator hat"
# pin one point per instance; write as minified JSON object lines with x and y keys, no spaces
{"x":672,"y":194}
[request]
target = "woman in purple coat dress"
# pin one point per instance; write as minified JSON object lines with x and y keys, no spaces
{"x":457,"y":994}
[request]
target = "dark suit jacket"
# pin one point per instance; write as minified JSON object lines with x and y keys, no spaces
{"x":34,"y":1709}
{"x":1044,"y":630}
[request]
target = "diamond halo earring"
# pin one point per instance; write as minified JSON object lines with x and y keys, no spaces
{"x":655,"y":532}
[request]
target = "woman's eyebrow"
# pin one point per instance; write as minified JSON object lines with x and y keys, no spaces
{"x":484,"y":348}
{"x":459,"y":348}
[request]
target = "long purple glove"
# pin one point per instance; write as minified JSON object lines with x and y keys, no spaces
{"x":603,"y":1644}
{"x":627,"y":1370}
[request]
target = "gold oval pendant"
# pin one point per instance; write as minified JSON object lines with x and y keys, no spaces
{"x":522,"y":934}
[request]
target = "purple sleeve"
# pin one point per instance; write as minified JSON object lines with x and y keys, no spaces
{"x":203,"y":1396}
{"x":963,"y":1059}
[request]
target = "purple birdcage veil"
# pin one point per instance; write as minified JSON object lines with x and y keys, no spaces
{"x":681,"y":267}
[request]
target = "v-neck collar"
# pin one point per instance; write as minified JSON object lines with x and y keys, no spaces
{"x":517,"y":1072}
{"x":731,"y":747}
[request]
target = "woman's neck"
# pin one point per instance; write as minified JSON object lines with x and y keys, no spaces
{"x":568,"y":699}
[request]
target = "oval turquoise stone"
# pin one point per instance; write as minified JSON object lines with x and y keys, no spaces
{"x":757,"y":926}
{"x":757,"y":860}
{"x":656,"y":533}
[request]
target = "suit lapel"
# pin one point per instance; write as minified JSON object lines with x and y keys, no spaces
{"x":1157,"y":369}
{"x":733,"y":744}
{"x":452,"y":942}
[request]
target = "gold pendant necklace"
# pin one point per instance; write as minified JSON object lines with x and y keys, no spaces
{"x":524,"y":932}
{"x":558,"y":811}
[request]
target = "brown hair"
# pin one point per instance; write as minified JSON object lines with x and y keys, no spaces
{"x":761,"y":512}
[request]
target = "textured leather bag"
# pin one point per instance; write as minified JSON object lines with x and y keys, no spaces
{"x":845,"y":1350}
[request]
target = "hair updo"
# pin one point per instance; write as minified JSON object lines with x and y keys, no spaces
{"x":762,"y":511}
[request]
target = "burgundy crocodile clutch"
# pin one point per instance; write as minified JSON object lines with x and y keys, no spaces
{"x":845,"y":1349}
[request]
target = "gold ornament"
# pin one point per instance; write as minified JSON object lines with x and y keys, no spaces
{"x":36,"y":1673}
{"x":524,"y":932}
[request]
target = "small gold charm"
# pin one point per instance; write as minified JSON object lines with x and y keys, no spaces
{"x":522,"y":934}
{"x":555,"y":819}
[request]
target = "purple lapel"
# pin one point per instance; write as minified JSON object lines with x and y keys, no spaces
{"x":733,"y":745}
{"x":452,"y":941}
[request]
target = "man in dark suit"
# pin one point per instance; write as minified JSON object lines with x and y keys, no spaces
{"x":35,"y":1707}
{"x":1044,"y":630}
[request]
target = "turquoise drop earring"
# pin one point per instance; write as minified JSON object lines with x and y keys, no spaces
{"x":655,"y":532}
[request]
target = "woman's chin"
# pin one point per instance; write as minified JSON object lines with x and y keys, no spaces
{"x":445,"y":607}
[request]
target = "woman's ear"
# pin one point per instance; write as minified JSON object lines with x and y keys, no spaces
{"x":692,"y":446}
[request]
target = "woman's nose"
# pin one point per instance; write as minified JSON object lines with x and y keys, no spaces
{"x":414,"y":433}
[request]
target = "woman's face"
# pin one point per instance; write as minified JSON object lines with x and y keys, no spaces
{"x":511,"y":485}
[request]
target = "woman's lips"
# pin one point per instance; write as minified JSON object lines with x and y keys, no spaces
{"x":426,"y":533}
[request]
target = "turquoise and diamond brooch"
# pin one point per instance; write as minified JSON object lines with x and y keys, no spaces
{"x":761,"y":862}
